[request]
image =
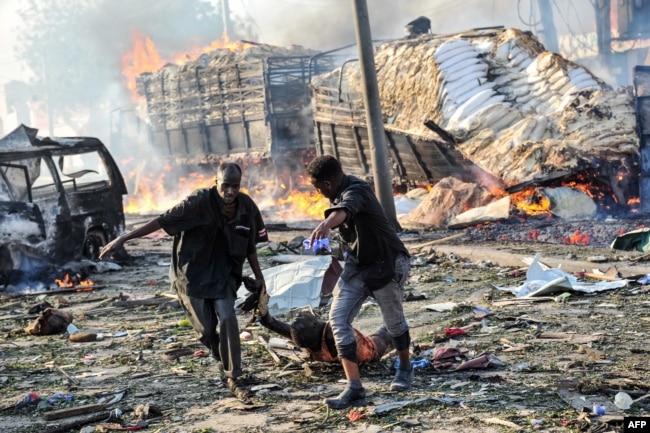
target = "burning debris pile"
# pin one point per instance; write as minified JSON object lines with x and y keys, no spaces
{"x":521,"y":113}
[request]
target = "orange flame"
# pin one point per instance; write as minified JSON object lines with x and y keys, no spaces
{"x":306,"y":204}
{"x":577,"y":238}
{"x":145,"y":57}
{"x":531,"y":203}
{"x":151,"y":196}
{"x":68,"y":282}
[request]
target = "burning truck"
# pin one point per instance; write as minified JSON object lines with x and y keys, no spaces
{"x":252,"y":106}
{"x":491,"y":107}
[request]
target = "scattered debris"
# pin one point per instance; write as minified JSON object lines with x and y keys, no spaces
{"x":542,"y":280}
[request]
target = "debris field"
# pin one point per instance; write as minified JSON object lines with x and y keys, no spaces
{"x":488,"y":360}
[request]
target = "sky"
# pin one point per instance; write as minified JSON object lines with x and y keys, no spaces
{"x":320,"y":25}
{"x":327,"y":24}
{"x":10,"y":68}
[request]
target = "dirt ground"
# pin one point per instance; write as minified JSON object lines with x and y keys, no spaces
{"x":546,"y":362}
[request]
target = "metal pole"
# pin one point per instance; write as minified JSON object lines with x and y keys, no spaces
{"x":374,"y":120}
{"x":603,"y":29}
{"x":549,"y":32}
{"x":225,"y":15}
{"x":48,"y":95}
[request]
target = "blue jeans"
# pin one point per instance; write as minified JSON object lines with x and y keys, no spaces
{"x":350,"y":295}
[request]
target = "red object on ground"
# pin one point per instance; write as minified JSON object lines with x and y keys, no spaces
{"x":356,"y":416}
{"x":455,"y":332}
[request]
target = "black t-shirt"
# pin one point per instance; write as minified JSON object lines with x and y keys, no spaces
{"x":371,"y":238}
{"x":209,"y":251}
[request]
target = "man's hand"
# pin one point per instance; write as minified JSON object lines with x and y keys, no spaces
{"x":320,"y":232}
{"x":263,"y":302}
{"x":111,"y":248}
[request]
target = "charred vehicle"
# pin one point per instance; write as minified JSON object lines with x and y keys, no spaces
{"x":60,"y":199}
{"x":252,"y":106}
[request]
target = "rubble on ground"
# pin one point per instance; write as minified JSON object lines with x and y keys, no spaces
{"x":546,"y":361}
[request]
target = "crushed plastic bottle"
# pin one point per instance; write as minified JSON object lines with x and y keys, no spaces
{"x":598,"y":409}
{"x":415,"y":363}
{"x":318,"y":246}
{"x":59,"y":397}
{"x":622,"y":400}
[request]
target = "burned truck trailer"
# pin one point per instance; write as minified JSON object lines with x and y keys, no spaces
{"x":251,"y":106}
{"x":488,"y":104}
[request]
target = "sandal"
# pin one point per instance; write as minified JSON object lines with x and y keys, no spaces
{"x":238,"y":391}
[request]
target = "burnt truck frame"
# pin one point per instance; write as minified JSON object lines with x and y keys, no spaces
{"x":256,"y":112}
{"x":60,"y":199}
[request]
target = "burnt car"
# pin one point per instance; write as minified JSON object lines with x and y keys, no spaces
{"x":60,"y":199}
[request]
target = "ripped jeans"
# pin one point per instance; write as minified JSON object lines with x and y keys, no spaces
{"x":349,"y":296}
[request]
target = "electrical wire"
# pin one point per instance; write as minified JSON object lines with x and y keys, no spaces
{"x":574,"y":35}
{"x":250,"y":17}
{"x":531,"y":15}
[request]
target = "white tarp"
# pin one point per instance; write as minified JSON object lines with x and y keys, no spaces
{"x":542,"y":280}
{"x":294,"y":285}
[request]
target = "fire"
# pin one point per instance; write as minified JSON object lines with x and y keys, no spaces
{"x":577,"y":238}
{"x":145,"y":57}
{"x":152,"y":197}
{"x":530,"y":202}
{"x":309,"y":204}
{"x":68,"y":282}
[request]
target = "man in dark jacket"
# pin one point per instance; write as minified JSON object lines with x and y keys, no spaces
{"x":377,"y":265}
{"x":215,"y":230}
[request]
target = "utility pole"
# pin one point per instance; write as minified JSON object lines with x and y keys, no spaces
{"x":225,"y":15}
{"x":550,"y":34}
{"x":603,"y":29}
{"x":48,"y":94}
{"x":374,"y":120}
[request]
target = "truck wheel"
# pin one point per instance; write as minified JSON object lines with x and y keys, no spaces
{"x":95,"y":240}
{"x":282,"y":186}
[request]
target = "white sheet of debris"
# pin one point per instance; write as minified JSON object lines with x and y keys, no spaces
{"x":294,"y":285}
{"x":542,"y":280}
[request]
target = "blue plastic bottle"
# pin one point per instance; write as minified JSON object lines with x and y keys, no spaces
{"x":415,"y":363}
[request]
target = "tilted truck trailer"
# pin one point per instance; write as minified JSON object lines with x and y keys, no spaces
{"x":490,"y":106}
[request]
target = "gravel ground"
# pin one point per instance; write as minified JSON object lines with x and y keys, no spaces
{"x":549,"y":360}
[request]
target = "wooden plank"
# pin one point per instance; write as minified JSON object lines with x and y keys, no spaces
{"x":73,"y":411}
{"x":75,"y":424}
{"x":77,"y":289}
{"x":266,"y":345}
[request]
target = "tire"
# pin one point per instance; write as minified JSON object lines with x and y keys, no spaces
{"x":282,"y":185}
{"x":95,"y":240}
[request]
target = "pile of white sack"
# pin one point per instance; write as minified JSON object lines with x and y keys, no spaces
{"x":514,"y":108}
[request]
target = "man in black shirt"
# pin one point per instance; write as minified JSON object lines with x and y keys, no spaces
{"x":377,"y":265}
{"x":215,"y":230}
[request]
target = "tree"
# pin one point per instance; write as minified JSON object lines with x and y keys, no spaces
{"x":74,"y":48}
